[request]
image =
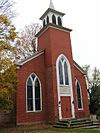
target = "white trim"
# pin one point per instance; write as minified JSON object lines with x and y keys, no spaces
{"x":50,"y":26}
{"x":57,"y":74}
{"x":29,"y":59}
{"x":65,"y":94}
{"x":63,"y":72}
{"x":78,"y":68}
{"x":80,"y":94}
{"x":70,"y":84}
{"x":34,"y":110}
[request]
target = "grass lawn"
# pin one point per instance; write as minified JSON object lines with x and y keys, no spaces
{"x":49,"y":130}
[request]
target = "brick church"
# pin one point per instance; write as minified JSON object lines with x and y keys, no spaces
{"x":51,"y":85}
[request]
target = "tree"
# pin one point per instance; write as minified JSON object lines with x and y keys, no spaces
{"x":7,"y":68}
{"x":8,"y":83}
{"x":6,"y":8}
{"x":93,"y":80}
{"x":7,"y":36}
{"x":26,"y":43}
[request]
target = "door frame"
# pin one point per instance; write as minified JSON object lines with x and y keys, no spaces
{"x":58,"y":88}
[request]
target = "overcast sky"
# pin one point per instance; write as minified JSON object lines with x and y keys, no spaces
{"x":82,"y":16}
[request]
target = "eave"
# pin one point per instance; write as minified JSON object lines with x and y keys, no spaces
{"x":52,"y":26}
{"x":79,"y":68}
{"x":35,"y":55}
{"x":51,"y":10}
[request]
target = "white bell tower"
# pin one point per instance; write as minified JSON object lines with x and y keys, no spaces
{"x":52,"y":16}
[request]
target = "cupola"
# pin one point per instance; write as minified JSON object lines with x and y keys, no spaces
{"x":52,"y":16}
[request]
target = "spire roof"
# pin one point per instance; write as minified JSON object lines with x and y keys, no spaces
{"x":51,"y":5}
{"x":51,"y":9}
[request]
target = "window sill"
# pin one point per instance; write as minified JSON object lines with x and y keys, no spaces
{"x":34,"y":111}
{"x":81,"y":109}
{"x":64,"y":85}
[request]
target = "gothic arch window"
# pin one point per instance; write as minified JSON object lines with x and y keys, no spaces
{"x":53,"y":19}
{"x":63,"y":71}
{"x":79,"y":95}
{"x":44,"y":23}
{"x":47,"y":19}
{"x":59,"y":21}
{"x":33,"y":94}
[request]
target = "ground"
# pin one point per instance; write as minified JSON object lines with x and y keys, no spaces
{"x":48,"y":130}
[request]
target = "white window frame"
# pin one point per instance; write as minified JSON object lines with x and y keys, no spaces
{"x":33,"y":85}
{"x":80,"y":94}
{"x":62,"y":63}
{"x":70,"y":85}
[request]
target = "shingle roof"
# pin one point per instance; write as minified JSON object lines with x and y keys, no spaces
{"x":79,"y":67}
{"x":36,"y":54}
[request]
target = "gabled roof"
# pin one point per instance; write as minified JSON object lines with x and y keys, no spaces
{"x":78,"y":67}
{"x":38,"y":53}
{"x":51,"y":10}
{"x":35,"y":55}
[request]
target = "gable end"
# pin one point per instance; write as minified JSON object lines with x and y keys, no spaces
{"x":79,"y":68}
{"x":35,"y":55}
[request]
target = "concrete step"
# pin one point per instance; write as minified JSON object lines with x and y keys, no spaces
{"x":80,"y":120}
{"x":62,"y":123}
{"x":90,"y":127}
{"x":73,"y":123}
{"x":81,"y":123}
{"x":59,"y":126}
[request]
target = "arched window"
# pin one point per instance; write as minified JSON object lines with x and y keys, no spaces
{"x":47,"y":19}
{"x":59,"y":21}
{"x":53,"y":19}
{"x":63,"y":71}
{"x":43,"y":22}
{"x":33,"y":96}
{"x":79,"y":95}
{"x":66,"y":73}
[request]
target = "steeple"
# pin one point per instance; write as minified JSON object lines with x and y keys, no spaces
{"x":52,"y":16}
{"x":51,"y":5}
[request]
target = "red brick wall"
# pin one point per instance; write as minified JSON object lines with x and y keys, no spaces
{"x":55,"y":42}
{"x":36,"y":66}
{"x":81,"y":78}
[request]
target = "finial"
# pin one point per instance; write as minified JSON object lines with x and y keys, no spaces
{"x":51,"y":5}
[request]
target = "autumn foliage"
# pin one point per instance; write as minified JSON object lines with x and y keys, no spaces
{"x":8,"y":79}
{"x":8,"y":83}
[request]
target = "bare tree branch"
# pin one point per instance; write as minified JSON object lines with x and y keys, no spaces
{"x":26,"y":42}
{"x":6,"y":8}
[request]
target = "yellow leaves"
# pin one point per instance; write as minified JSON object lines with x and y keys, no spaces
{"x":5,"y":64}
{"x":5,"y":47}
{"x":4,"y":20}
{"x":3,"y":92}
{"x":8,"y":78}
{"x":12,"y":34}
{"x":7,"y":36}
{"x":8,"y":82}
{"x":7,"y":30}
